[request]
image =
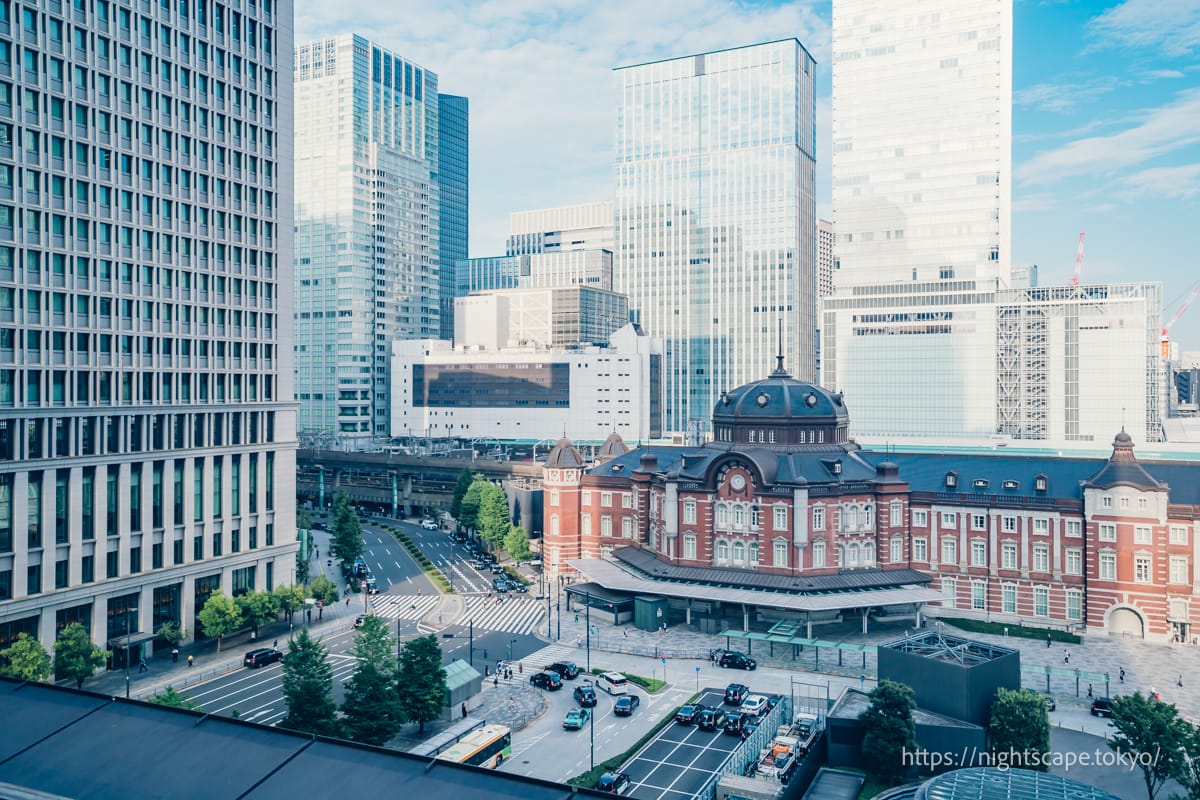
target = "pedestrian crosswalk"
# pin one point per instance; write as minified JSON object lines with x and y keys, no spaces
{"x":521,"y":616}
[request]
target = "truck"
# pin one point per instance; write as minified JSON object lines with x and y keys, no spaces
{"x":778,"y":760}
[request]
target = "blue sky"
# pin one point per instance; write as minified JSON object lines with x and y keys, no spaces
{"x":1106,"y":118}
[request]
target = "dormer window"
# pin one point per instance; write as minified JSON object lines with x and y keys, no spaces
{"x":837,"y":468}
{"x":980,"y":483}
{"x":1011,"y":485}
{"x":951,"y":480}
{"x":1041,"y":483}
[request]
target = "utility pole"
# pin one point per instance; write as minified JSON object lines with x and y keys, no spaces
{"x":471,"y":646}
{"x":587,"y":623}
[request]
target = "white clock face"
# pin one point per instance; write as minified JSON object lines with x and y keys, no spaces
{"x":737,"y":482}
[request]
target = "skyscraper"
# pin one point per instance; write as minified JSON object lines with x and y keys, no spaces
{"x":367,"y":228}
{"x":453,"y":191}
{"x":146,"y":427}
{"x":587,"y":226}
{"x":922,"y":119}
{"x":715,"y":216}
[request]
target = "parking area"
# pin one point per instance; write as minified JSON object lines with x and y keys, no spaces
{"x":678,"y":762}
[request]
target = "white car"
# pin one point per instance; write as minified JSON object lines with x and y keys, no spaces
{"x":755,"y":705}
{"x":429,"y":525}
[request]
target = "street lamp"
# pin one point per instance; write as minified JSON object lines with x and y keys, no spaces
{"x":511,"y":642}
{"x":587,"y":623}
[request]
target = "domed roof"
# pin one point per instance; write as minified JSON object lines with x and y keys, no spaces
{"x":564,"y":456}
{"x":781,"y":397}
{"x":1123,"y":439}
{"x":613,"y":446}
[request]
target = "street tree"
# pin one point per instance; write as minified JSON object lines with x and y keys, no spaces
{"x":1019,"y":730}
{"x":304,"y":521}
{"x":220,"y":616}
{"x":1153,"y":734}
{"x":302,"y":568}
{"x":323,"y":590}
{"x":890,"y":729}
{"x":421,"y":681}
{"x":171,"y":633}
{"x":371,"y":709}
{"x":75,"y":656}
{"x":258,"y":608}
{"x":347,"y":532}
{"x":516,"y":542}
{"x":290,"y":599}
{"x":308,"y":688}
{"x":1189,"y":771}
{"x":468,"y":511}
{"x":465,"y":479}
{"x":26,"y":659}
{"x":494,"y":516}
{"x":172,"y":698}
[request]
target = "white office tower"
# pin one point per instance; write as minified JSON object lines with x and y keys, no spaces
{"x":147,"y":431}
{"x":922,"y":106}
{"x":548,"y":230}
{"x":367,"y":229}
{"x":715,"y":217}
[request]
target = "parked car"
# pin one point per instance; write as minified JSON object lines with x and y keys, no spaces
{"x":737,"y":661}
{"x":261,"y":657}
{"x":575,"y":719}
{"x":585,"y":695}
{"x":370,"y":585}
{"x":565,"y":669}
{"x":735,"y":723}
{"x":735,"y":693}
{"x":429,"y":525}
{"x":626,"y":705}
{"x":686,"y":715}
{"x":710,"y":719}
{"x":614,"y":783}
{"x":546,"y":680}
{"x":773,"y":700}
{"x":755,"y":705}
{"x":1102,"y":707}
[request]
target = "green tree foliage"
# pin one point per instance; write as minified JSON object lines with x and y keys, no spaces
{"x":890,"y":729}
{"x":308,"y":688}
{"x":465,"y":479}
{"x":494,"y":517}
{"x":1019,"y":730}
{"x":468,"y":511}
{"x":302,"y":570}
{"x":220,"y":616}
{"x":421,"y":681}
{"x":75,"y":656}
{"x":26,"y":659}
{"x":347,"y":532}
{"x":171,"y":633}
{"x":289,"y":599}
{"x":1153,"y":733}
{"x":258,"y":608}
{"x":371,"y":709}
{"x":304,"y":521}
{"x":324,"y":590}
{"x":516,"y":542}
{"x":1189,"y":771}
{"x":171,"y":697}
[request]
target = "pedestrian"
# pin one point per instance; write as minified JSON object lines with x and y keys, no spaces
{"x":520,"y":667}
{"x":174,"y":655}
{"x":190,"y":658}
{"x":485,"y":655}
{"x":496,"y":680}
{"x":1048,"y":643}
{"x":464,"y":710}
{"x":142,"y":666}
{"x":1066,"y":656}
{"x":347,"y":599}
{"x":487,"y":671}
{"x":1122,"y":676}
{"x":1089,"y":690}
{"x":275,"y":645}
{"x":1153,"y":693}
{"x":508,"y":674}
{"x":626,"y":632}
{"x":576,"y":618}
{"x":1179,"y":681}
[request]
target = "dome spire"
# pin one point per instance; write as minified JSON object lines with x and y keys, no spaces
{"x":780,"y":372}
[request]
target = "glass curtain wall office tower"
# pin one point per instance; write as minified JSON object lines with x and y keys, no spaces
{"x":146,"y":419}
{"x":453,"y":141}
{"x":922,"y":121}
{"x":367,"y":228}
{"x":715,"y":217}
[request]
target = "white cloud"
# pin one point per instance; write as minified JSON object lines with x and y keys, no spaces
{"x":1034,"y":201}
{"x":1062,"y":97}
{"x":1162,"y":130}
{"x":538,"y":74}
{"x":1180,"y":182}
{"x":1171,"y":27}
{"x":1159,"y":74}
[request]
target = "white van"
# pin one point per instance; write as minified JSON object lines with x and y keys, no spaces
{"x":613,"y":683}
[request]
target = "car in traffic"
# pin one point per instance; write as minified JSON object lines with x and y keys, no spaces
{"x":735,"y":694}
{"x":626,"y":705}
{"x":575,"y":719}
{"x":360,"y":620}
{"x":755,"y":705}
{"x":710,"y":719}
{"x":613,"y":683}
{"x":686,"y":715}
{"x":518,"y":586}
{"x":737,"y":661}
{"x":262,"y":657}
{"x":614,"y":783}
{"x":585,"y":695}
{"x":735,"y":723}
{"x":546,"y":680}
{"x":370,"y":585}
{"x":500,"y":584}
{"x":497,"y":569}
{"x":429,"y":525}
{"x":1102,"y":707}
{"x":565,"y":669}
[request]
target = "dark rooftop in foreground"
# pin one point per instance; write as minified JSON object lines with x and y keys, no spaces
{"x":992,"y":783}
{"x":948,"y":648}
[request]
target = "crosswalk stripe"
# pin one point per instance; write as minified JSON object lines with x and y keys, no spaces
{"x":396,"y":606}
{"x":518,"y":616}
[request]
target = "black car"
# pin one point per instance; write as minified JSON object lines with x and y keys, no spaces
{"x":613,"y":783}
{"x":261,"y":657}
{"x":687,"y":715}
{"x":1102,"y":707}
{"x":735,"y":693}
{"x":735,"y":723}
{"x":517,"y":586}
{"x":497,"y":569}
{"x":565,"y":669}
{"x":710,"y":719}
{"x":737,"y":661}
{"x":626,"y":704}
{"x":500,"y":584}
{"x":585,"y":695}
{"x":370,"y":585}
{"x":546,"y":680}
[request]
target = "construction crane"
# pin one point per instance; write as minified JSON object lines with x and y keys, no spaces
{"x":1187,"y":301}
{"x":1078,"y":260}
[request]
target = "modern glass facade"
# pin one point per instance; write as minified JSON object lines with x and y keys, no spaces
{"x":715,"y":216}
{"x":453,"y":140}
{"x":367,"y":231}
{"x":145,"y":306}
{"x":921,"y":198}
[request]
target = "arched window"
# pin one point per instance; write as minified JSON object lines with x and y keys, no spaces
{"x":722,"y":515}
{"x":818,"y":553}
{"x":554,"y":524}
{"x":739,"y":517}
{"x":868,"y":554}
{"x":868,"y":517}
{"x":754,"y":554}
{"x":851,"y":518}
{"x":722,"y":551}
{"x":554,"y":497}
{"x":739,"y":553}
{"x":852,"y":555}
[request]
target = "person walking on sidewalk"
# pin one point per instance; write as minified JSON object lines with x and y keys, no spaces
{"x":142,"y":666}
{"x":1066,"y":656}
{"x":174,"y":655}
{"x":464,"y":709}
{"x":1122,"y":674}
{"x":190,"y":659}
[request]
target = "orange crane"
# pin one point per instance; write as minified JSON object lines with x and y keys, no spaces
{"x":1164,"y":341}
{"x":1078,"y":261}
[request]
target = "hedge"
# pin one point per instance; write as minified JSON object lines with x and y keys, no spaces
{"x":1001,"y":629}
